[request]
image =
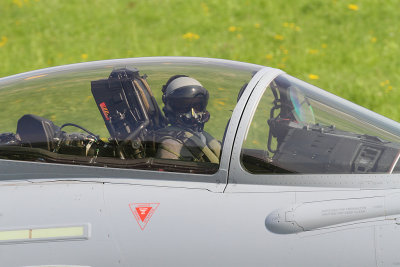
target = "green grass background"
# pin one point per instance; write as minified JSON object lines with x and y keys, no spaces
{"x":348,"y":47}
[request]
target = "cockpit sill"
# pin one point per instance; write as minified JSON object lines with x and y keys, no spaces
{"x":154,"y":164}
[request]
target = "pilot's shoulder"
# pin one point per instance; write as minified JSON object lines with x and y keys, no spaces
{"x":210,"y":138}
{"x":169,"y":133}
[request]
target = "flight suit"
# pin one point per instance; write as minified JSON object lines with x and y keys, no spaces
{"x":184,"y":144}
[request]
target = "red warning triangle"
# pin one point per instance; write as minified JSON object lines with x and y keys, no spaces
{"x":143,"y":212}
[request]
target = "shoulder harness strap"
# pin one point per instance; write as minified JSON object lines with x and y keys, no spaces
{"x":199,"y":145}
{"x":193,"y":143}
{"x":213,"y":144}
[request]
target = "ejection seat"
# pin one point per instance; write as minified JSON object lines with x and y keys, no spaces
{"x":130,"y":112}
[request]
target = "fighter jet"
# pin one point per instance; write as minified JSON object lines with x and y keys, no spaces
{"x":179,"y":161}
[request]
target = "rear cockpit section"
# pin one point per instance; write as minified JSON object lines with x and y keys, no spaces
{"x":298,"y":128}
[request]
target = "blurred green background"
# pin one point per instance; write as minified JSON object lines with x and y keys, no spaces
{"x":350,"y":48}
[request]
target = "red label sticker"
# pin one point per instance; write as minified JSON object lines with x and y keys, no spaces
{"x":105,"y":110}
{"x":143,"y":212}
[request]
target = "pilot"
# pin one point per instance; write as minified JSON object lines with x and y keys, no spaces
{"x":185,"y":101}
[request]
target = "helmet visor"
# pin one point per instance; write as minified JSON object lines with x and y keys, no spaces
{"x":185,"y":98}
{"x":184,"y":104}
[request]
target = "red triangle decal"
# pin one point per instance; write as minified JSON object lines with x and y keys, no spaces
{"x":143,"y":212}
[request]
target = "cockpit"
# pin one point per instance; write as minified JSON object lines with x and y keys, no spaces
{"x":112,"y":114}
{"x":303,"y":129}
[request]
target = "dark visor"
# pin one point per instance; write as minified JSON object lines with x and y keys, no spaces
{"x":183,"y":105}
{"x":185,"y":98}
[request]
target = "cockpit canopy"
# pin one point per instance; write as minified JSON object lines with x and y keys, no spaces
{"x":299,"y":128}
{"x":108,"y":113}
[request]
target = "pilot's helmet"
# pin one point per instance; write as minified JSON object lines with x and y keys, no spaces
{"x":185,"y":101}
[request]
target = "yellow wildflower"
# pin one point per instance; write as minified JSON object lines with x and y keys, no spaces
{"x":84,"y":56}
{"x":190,"y":36}
{"x":284,"y":50}
{"x":279,"y":37}
{"x":324,"y":45}
{"x":388,"y":89}
{"x":269,"y":56}
{"x":19,"y":3}
{"x":373,"y":39}
{"x":221,"y":103}
{"x":313,"y":76}
{"x":352,"y":7}
{"x":385,"y":83}
{"x":281,"y":66}
{"x":257,"y":25}
{"x":3,"y":41}
{"x":232,"y":29}
{"x":291,"y":25}
{"x":205,"y":8}
{"x":313,"y":51}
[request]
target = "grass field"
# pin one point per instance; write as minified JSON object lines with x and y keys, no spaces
{"x":350,"y":48}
